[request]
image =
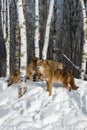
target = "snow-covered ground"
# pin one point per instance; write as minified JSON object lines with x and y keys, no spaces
{"x":36,"y":110}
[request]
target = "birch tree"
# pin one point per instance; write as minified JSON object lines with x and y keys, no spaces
{"x":47,"y":31}
{"x":6,"y":29}
{"x":37,"y":36}
{"x":17,"y":46}
{"x":8,"y":40}
{"x":23,"y":40}
{"x":4,"y":20}
{"x":2,"y":15}
{"x":2,"y":50}
{"x":84,"y":54}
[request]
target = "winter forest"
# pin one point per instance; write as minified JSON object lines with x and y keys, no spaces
{"x":49,"y":29}
{"x":48,"y":37}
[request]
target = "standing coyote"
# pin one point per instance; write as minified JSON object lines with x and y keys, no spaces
{"x":51,"y":75}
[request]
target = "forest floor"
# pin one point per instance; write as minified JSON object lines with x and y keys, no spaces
{"x":36,"y":110}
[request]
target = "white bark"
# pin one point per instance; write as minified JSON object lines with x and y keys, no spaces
{"x":4,"y":20}
{"x":8,"y":41}
{"x":3,"y":16}
{"x":37,"y":35}
{"x":23,"y":39}
{"x":6,"y":35}
{"x":84,"y":55}
{"x":47,"y":31}
{"x":2,"y":9}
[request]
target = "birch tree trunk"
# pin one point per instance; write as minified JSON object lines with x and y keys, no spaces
{"x":6,"y":29}
{"x":8,"y":40}
{"x":23,"y":40}
{"x":17,"y":46}
{"x":3,"y":14}
{"x":37,"y":35}
{"x":84,"y":54}
{"x":4,"y":19}
{"x":2,"y":49}
{"x":47,"y":31}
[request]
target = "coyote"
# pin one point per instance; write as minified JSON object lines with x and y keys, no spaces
{"x":51,"y":74}
{"x":15,"y":77}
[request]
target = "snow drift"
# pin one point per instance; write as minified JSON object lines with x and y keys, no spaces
{"x":36,"y":110}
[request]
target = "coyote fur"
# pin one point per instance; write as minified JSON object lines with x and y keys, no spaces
{"x":31,"y":72}
{"x":31,"y":69}
{"x":52,"y":74}
{"x":15,"y":77}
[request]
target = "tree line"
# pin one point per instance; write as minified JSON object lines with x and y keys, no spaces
{"x":49,"y":29}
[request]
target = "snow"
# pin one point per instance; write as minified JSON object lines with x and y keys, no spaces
{"x":36,"y":110}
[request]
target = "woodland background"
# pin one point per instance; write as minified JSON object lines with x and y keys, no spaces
{"x":66,"y":32}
